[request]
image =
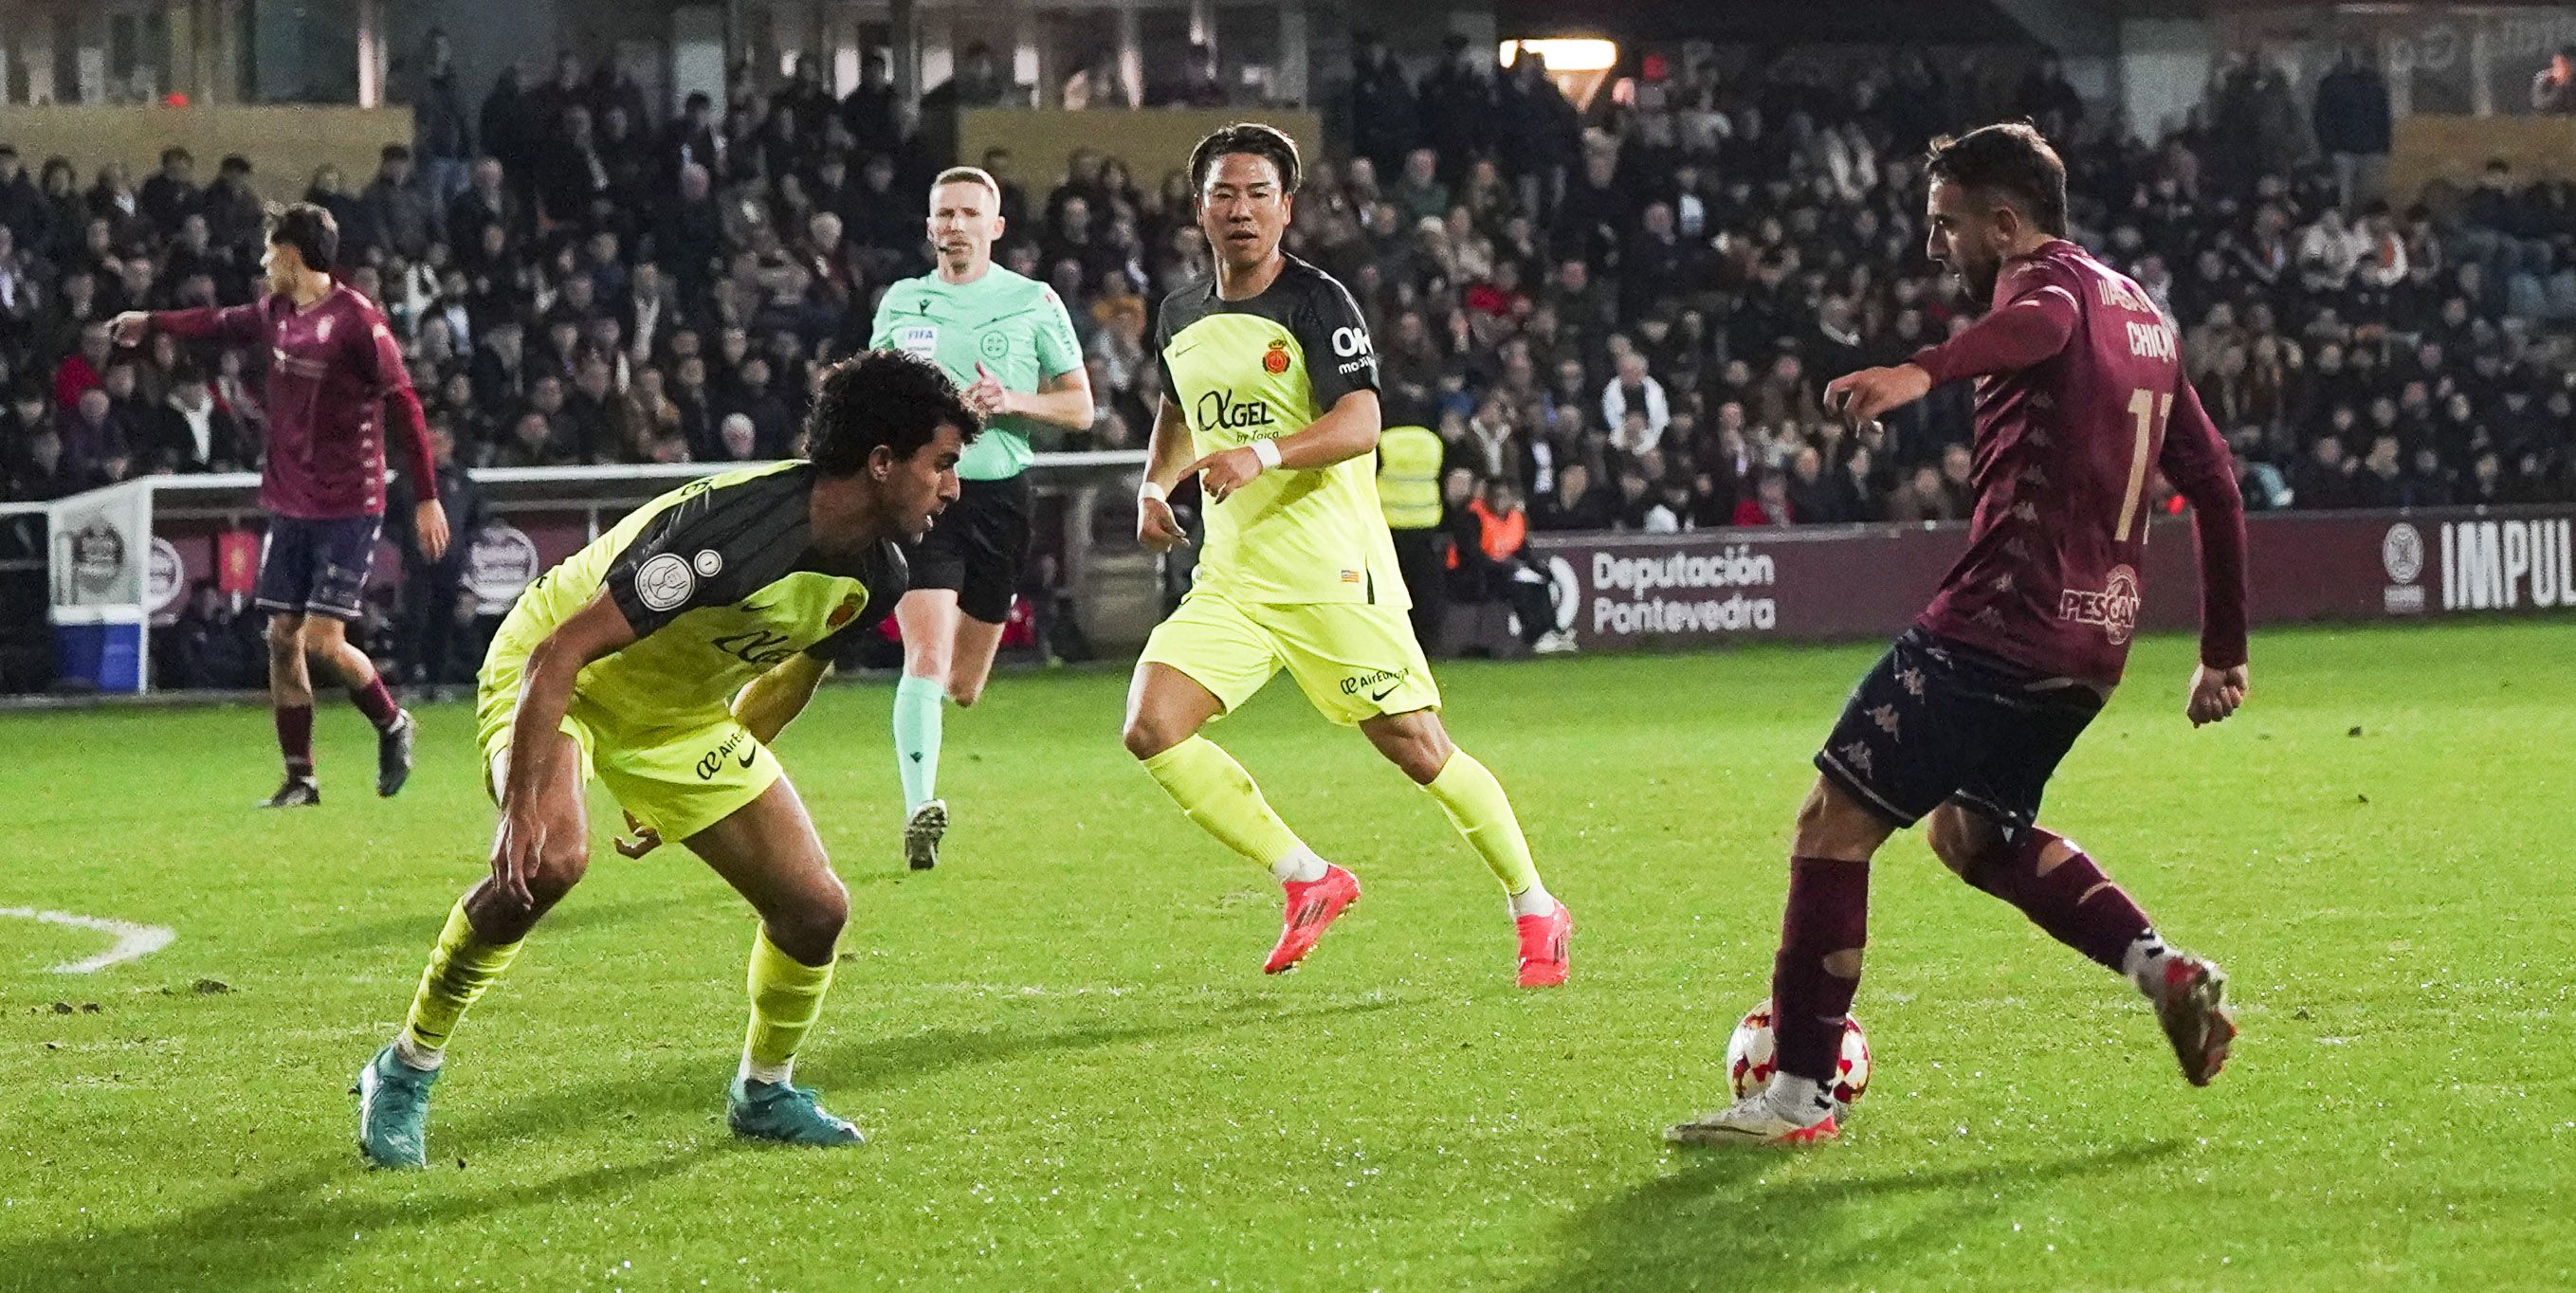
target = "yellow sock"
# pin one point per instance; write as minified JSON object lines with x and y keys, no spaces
{"x":460,"y":968}
{"x":786,"y":999}
{"x":1483,"y":814}
{"x":1219,"y":795}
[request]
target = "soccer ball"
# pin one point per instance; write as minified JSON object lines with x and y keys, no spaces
{"x":1749,"y":1062}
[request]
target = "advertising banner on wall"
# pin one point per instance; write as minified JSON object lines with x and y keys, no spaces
{"x":1713,"y":587}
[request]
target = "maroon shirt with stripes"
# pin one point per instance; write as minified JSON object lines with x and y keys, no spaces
{"x":2080,"y":399}
{"x":333,"y":368}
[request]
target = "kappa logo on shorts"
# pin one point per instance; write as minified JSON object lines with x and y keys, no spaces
{"x":665,"y":581}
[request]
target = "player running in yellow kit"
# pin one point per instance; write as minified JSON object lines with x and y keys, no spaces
{"x":626,"y":660}
{"x":1270,"y":398}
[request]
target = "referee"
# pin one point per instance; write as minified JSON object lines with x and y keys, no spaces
{"x":1008,"y":344}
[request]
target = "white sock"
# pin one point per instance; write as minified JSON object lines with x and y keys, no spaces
{"x":414,"y":1055}
{"x":1799,"y":1099}
{"x":2145,"y":962}
{"x":1533,"y":901}
{"x":1301,"y":866}
{"x":777,"y":1073}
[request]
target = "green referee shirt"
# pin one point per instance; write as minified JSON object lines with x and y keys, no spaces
{"x":1011,"y":324}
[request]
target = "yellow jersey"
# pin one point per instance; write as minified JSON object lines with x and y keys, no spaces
{"x":1261,"y":368}
{"x":720,"y":583}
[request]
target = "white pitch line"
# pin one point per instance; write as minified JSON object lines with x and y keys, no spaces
{"x":132,"y":940}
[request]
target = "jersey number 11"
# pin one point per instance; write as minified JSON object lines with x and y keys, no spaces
{"x":2150,"y":412}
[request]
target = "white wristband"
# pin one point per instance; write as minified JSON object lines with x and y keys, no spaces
{"x":1268,"y":452}
{"x":1150,"y":490}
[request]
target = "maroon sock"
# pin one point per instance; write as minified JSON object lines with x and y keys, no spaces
{"x":375,"y":702}
{"x":2077,"y":904}
{"x":1818,"y":968}
{"x":295,"y":738}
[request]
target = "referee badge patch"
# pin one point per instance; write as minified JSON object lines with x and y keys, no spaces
{"x":920,"y":340}
{"x":994,"y":345}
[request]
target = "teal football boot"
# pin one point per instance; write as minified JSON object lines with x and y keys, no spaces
{"x":393,"y":1102}
{"x":783,"y":1113}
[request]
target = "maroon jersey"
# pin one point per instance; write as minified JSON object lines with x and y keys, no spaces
{"x":332,"y":368}
{"x":2080,"y":395}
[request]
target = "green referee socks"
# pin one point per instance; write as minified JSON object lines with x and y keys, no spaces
{"x":917,"y":703}
{"x":1219,"y":795}
{"x":1483,"y":814}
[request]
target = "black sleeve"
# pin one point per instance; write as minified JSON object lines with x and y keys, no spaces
{"x":1164,"y":327}
{"x":1334,"y":335}
{"x":712,"y":548}
{"x":888,"y":578}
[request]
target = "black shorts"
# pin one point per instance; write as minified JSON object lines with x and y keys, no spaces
{"x":1935,"y":721}
{"x":317,"y":567}
{"x":978,"y":545}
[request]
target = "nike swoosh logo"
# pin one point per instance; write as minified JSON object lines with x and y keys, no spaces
{"x":1382,"y":695}
{"x":747,"y":757}
{"x":1178,"y":351}
{"x":749,"y":609}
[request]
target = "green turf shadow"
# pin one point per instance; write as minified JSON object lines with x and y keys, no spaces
{"x":1724,"y":1219}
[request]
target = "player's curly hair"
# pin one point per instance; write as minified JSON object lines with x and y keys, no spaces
{"x":2009,"y":160}
{"x":882,"y":397}
{"x":311,"y":231}
{"x":1247,"y":137}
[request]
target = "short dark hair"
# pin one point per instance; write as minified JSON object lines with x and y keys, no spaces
{"x":2008,"y":160}
{"x":311,"y":231}
{"x":1247,"y":137}
{"x":882,"y":398}
{"x":174,"y":153}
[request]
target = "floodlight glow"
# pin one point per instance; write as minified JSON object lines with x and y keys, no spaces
{"x":1566,"y":55}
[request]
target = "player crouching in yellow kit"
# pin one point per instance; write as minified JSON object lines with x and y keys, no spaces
{"x":626,"y":661}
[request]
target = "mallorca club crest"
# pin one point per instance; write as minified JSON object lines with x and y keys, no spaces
{"x":1276,"y":361}
{"x":2115,"y":608}
{"x":847,"y":611}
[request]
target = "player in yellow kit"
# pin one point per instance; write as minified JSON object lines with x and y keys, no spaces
{"x":665,"y":657}
{"x":1270,"y":399}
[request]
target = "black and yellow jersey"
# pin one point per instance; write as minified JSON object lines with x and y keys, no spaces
{"x":1261,"y":368}
{"x":720,"y":582}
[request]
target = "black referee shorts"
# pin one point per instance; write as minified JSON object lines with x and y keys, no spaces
{"x":977,"y":546}
{"x":1935,"y":721}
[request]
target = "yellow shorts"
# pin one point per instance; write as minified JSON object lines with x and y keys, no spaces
{"x":679,"y":773}
{"x":1353,"y":660}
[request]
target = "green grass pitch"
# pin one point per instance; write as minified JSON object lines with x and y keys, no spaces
{"x":1073,"y":1076}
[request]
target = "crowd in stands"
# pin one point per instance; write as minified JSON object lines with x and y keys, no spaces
{"x":1616,"y":318}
